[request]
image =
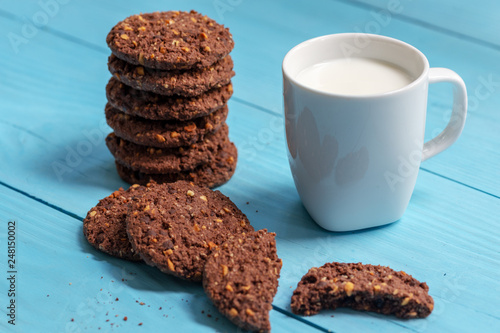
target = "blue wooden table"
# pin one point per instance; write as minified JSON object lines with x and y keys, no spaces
{"x":54,"y":166}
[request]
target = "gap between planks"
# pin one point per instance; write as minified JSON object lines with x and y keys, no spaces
{"x":80,"y":219}
{"x":76,"y":40}
{"x":424,"y":24}
{"x":57,"y":33}
{"x":81,"y":42}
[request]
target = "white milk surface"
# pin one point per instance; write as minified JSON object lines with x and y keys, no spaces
{"x":354,"y":76}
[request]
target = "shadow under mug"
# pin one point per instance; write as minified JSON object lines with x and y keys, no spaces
{"x":355,"y":159}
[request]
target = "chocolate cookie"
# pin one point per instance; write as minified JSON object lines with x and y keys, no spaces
{"x":241,"y":279}
{"x":159,"y":107}
{"x":163,"y":134}
{"x":176,"y":226}
{"x":211,"y":175}
{"x":170,"y":40}
{"x":168,"y":160}
{"x":184,"y":83}
{"x":361,"y":287}
{"x":104,"y":226}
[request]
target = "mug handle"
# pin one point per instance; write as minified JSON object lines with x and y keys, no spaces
{"x":457,"y":120}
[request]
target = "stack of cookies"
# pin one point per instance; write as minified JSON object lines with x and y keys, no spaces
{"x":167,"y":99}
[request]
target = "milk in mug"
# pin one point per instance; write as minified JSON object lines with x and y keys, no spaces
{"x":354,"y":76}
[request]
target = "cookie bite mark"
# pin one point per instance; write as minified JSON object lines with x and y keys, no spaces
{"x":361,"y":287}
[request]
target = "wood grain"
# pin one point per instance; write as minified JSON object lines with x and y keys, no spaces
{"x":52,"y":133}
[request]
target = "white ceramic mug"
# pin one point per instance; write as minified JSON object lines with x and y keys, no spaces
{"x":355,"y":159}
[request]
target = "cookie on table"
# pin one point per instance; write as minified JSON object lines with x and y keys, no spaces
{"x":361,"y":287}
{"x":159,"y":107}
{"x":176,"y":226}
{"x":168,"y":160}
{"x":241,"y":279}
{"x":211,"y":175}
{"x":104,"y":225}
{"x":170,"y":40}
{"x":163,"y":134}
{"x":184,"y":83}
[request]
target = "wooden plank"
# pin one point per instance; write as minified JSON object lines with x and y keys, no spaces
{"x":258,"y":66}
{"x":448,"y":237}
{"x":448,"y":228}
{"x":442,"y":239}
{"x":475,"y":20}
{"x":65,"y":285}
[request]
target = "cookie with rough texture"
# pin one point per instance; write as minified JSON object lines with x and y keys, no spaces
{"x":241,"y":279}
{"x":361,"y":287}
{"x":163,"y":134}
{"x":104,"y":226}
{"x":176,"y":226}
{"x":184,"y":83}
{"x":159,"y":107}
{"x":211,"y":175}
{"x":170,"y":40}
{"x":168,"y":160}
